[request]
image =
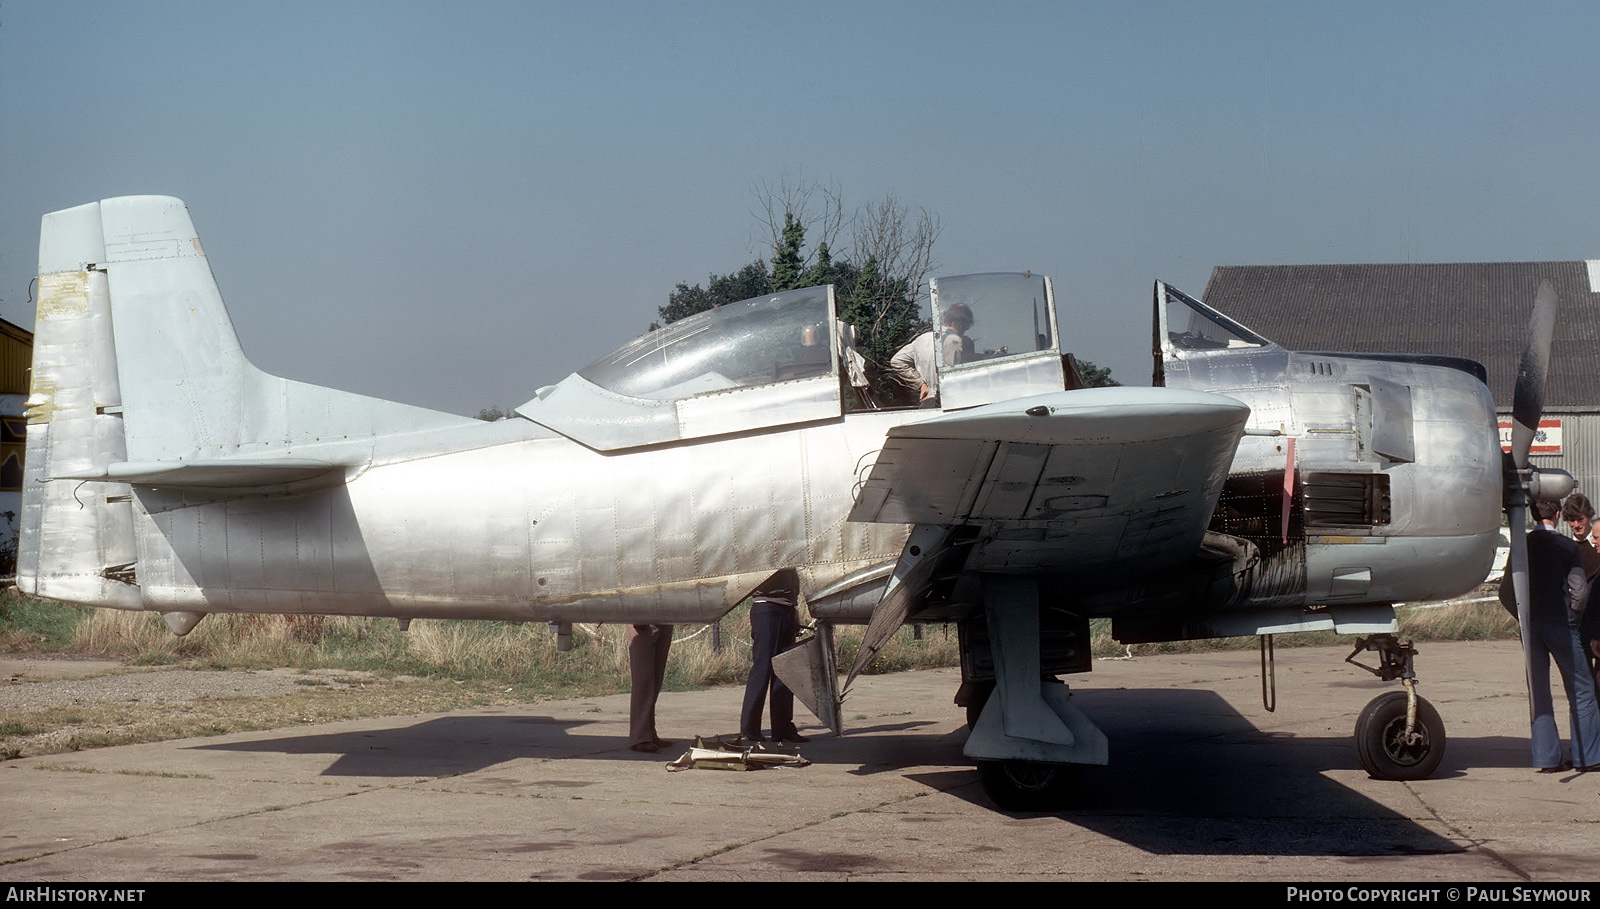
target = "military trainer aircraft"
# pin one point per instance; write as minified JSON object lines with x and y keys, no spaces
{"x":1252,"y":490}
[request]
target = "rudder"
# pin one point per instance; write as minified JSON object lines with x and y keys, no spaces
{"x":76,"y":540}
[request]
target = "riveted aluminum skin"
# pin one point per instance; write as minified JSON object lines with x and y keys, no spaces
{"x":663,"y":483}
{"x":1427,"y":430}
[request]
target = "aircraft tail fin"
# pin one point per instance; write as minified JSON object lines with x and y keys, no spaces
{"x":139,"y":379}
{"x":187,"y":389}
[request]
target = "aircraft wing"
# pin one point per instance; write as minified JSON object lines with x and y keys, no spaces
{"x":1087,"y":481}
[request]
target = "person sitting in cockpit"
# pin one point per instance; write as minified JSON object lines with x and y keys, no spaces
{"x":914,"y":364}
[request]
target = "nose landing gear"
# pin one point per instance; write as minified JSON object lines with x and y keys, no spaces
{"x":1399,"y":736}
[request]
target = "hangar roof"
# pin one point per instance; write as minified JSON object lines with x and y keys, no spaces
{"x":1477,"y":310}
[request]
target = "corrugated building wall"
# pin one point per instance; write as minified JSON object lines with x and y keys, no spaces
{"x":16,"y":364}
{"x":1580,"y":448}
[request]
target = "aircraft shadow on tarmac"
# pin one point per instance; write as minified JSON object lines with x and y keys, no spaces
{"x":1188,"y":774}
{"x":440,"y":747}
{"x":465,"y":744}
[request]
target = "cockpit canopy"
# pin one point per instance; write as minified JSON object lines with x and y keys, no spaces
{"x":1010,"y":347}
{"x":785,"y":358}
{"x":1186,"y":324}
{"x":762,"y":362}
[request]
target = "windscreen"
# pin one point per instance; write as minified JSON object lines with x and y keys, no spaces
{"x":1194,"y":326}
{"x":1004,"y":314}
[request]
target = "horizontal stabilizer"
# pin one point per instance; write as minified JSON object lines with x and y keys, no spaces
{"x":214,"y":474}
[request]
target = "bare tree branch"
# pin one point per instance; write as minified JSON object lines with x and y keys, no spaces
{"x":898,"y":241}
{"x":818,"y":206}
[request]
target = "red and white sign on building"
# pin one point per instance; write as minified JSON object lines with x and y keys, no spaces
{"x":1546,"y":441}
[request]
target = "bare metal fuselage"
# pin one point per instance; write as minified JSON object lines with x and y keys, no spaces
{"x":512,"y":521}
{"x":165,"y":473}
{"x":519,"y":523}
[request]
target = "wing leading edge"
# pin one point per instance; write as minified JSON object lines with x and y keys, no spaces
{"x":1083,"y":481}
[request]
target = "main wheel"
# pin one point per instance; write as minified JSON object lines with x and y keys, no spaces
{"x":1387,"y":752}
{"x":1029,"y":785}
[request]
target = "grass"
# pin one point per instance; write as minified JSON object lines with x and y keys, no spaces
{"x":27,"y":624}
{"x":360,"y":667}
{"x":1472,"y":618}
{"x":522,"y":656}
{"x":524,"y":659}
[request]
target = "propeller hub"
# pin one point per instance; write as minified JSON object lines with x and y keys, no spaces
{"x":1550,"y":483}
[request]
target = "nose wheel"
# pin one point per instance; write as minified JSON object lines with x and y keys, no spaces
{"x":1399,"y":736}
{"x":1395,"y":745}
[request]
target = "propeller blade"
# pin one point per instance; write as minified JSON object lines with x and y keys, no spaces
{"x":1517,"y":566}
{"x":1528,"y":402}
{"x":1527,"y":407}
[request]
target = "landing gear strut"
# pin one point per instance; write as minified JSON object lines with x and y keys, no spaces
{"x":1399,"y":736}
{"x":1028,"y":739}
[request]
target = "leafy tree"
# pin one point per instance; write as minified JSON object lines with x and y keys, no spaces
{"x":821,"y":270}
{"x":720,"y":290}
{"x":1097,"y":376}
{"x":787,"y":263}
{"x":877,"y":284}
{"x":491,"y":414}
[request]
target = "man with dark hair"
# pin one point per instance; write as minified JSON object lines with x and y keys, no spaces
{"x":1558,"y":590}
{"x":1579,"y":515}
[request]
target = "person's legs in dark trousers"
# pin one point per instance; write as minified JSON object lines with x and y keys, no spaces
{"x":782,"y":697}
{"x":648,"y":646}
{"x":773,"y":627}
{"x":766,"y":626}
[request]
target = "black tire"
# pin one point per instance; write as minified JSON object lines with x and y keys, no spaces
{"x":1029,"y":785}
{"x":1381,"y":741}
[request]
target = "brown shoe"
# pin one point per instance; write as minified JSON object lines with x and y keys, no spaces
{"x":646,"y":747}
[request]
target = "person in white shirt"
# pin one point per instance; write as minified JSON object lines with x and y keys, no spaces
{"x":914,"y":364}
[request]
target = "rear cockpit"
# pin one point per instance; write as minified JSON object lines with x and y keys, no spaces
{"x":1185,"y":324}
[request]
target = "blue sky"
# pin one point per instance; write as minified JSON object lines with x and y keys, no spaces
{"x":453,"y":207}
